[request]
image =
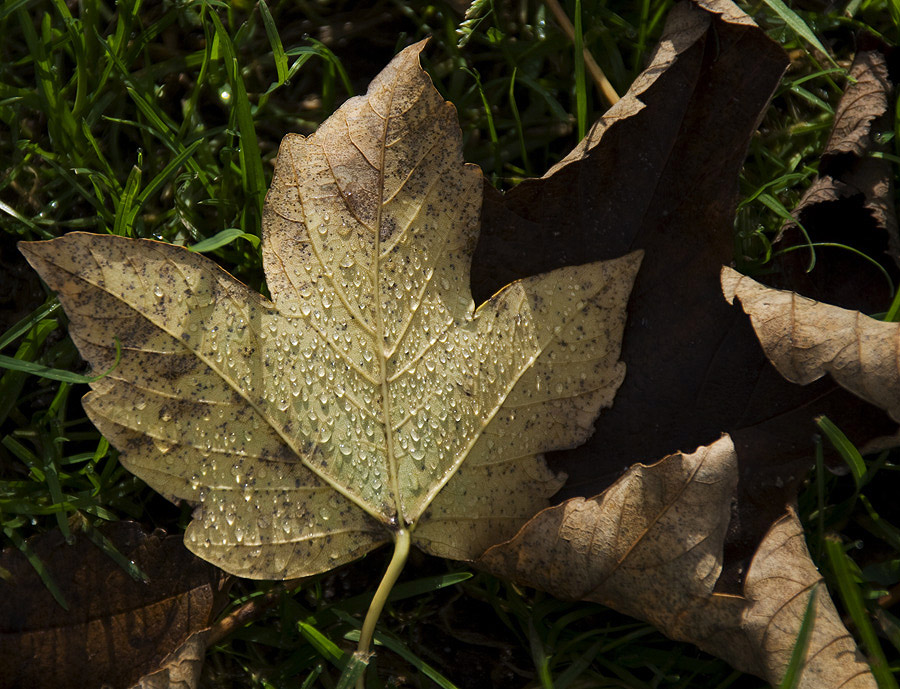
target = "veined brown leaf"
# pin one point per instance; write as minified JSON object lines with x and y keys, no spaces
{"x":371,"y":398}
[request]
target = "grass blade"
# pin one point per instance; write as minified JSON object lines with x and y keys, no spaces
{"x":394,"y":644}
{"x":324,"y":646}
{"x":800,"y":27}
{"x":126,"y":209}
{"x":253,"y":178}
{"x":42,"y":371}
{"x":798,"y":655}
{"x":353,"y":672}
{"x":852,"y":598}
{"x":281,"y":61}
{"x":223,"y":238}
{"x":845,"y":448}
{"x":28,"y":323}
{"x":513,"y":106}
{"x":37,"y":564}
{"x":160,"y":179}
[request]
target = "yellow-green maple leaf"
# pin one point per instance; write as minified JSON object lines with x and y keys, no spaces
{"x":370,"y":396}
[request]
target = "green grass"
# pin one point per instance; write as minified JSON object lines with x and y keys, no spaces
{"x":162,"y":120}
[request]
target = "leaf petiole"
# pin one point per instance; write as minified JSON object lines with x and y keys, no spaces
{"x":401,"y":552}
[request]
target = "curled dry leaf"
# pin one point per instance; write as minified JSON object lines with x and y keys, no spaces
{"x":371,"y":396}
{"x":805,"y":339}
{"x":651,"y":546}
{"x":116,"y":629}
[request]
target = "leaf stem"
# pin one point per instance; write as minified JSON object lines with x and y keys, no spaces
{"x":401,"y":552}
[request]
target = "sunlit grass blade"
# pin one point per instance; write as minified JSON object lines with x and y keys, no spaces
{"x":324,"y":646}
{"x":853,"y":250}
{"x":110,"y":174}
{"x":126,"y":209}
{"x":800,"y":27}
{"x":44,"y":233}
{"x":223,"y":238}
{"x":60,"y":121}
{"x":893,"y":312}
{"x":775,"y":205}
{"x":812,"y":99}
{"x":489,"y":119}
{"x":43,"y":371}
{"x":252,"y":176}
{"x":281,"y":61}
{"x":334,"y":61}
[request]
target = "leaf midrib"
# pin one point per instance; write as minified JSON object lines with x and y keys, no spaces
{"x":379,"y":327}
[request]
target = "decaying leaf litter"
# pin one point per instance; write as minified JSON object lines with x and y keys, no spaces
{"x":689,"y":30}
{"x":114,"y":630}
{"x":711,"y":380}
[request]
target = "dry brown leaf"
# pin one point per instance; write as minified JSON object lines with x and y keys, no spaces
{"x":660,"y":173}
{"x":851,"y":201}
{"x":181,"y":668}
{"x":777,"y":588}
{"x":651,"y":546}
{"x":805,"y":339}
{"x":116,"y":629}
{"x":315,"y":428}
{"x":696,"y":369}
